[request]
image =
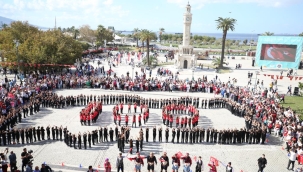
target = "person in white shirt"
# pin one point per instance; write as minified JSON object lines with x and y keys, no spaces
{"x":292,"y":158}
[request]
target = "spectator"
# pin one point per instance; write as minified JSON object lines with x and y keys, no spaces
{"x":107,"y":165}
{"x":292,"y":158}
{"x":13,"y":161}
{"x":262,"y":163}
{"x":37,"y":169}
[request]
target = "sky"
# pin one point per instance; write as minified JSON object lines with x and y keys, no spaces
{"x":253,"y":16}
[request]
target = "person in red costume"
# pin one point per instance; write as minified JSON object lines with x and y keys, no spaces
{"x":212,"y":167}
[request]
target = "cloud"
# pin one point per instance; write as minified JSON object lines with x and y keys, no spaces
{"x":66,"y":11}
{"x":200,"y":3}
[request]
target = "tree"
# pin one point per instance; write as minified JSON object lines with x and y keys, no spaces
{"x":136,"y":35}
{"x":103,"y":34}
{"x":37,"y":47}
{"x":225,"y":24}
{"x":268,"y":34}
{"x":161,"y":30}
{"x":301,"y":34}
{"x":245,"y":41}
{"x":146,"y":35}
{"x":217,"y":62}
{"x":152,"y":59}
{"x":86,"y":34}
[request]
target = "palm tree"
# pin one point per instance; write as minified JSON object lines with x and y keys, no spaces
{"x":225,"y":24}
{"x":301,"y":34}
{"x":161,"y":30}
{"x":136,"y":34}
{"x":268,"y":34}
{"x":217,"y":62}
{"x":76,"y":33}
{"x":146,"y":35}
{"x":152,"y":59}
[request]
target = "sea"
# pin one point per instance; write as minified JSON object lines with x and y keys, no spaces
{"x":231,"y":36}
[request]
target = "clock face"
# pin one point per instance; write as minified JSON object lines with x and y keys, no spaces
{"x":187,"y":18}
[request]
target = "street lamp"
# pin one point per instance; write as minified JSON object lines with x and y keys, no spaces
{"x":17,"y":45}
{"x":193,"y":71}
{"x":257,"y":73}
{"x":251,"y":39}
{"x":133,"y":67}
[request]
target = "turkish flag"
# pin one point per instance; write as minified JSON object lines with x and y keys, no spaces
{"x":214,"y":160}
{"x":296,"y":78}
{"x":281,"y":77}
{"x":179,"y":154}
{"x":291,"y":77}
{"x":272,"y":76}
{"x":277,"y":76}
{"x":264,"y":74}
{"x":300,"y":78}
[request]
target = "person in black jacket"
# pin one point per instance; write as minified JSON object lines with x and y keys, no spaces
{"x":262,"y":162}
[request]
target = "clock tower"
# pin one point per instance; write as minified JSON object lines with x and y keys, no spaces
{"x":186,"y":58}
{"x":187,"y":16}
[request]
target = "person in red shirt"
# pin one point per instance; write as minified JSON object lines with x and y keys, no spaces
{"x":139,"y":120}
{"x":182,"y":122}
{"x":119,"y":119}
{"x":126,"y":120}
{"x":117,"y":108}
{"x":177,"y":121}
{"x":115,"y":118}
{"x":171,"y":119}
{"x":163,"y":117}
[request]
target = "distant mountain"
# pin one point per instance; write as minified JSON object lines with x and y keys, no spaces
{"x":4,"y":20}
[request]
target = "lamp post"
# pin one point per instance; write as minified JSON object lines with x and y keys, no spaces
{"x":193,"y":71}
{"x":256,"y":73}
{"x":17,"y":45}
{"x":251,"y":39}
{"x":133,"y":67}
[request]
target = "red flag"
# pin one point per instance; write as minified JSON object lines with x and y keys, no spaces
{"x":281,"y":77}
{"x":264,"y":74}
{"x":179,"y":154}
{"x":277,"y":76}
{"x":291,"y":77}
{"x":213,"y":159}
{"x":296,"y":78}
{"x":300,"y":78}
{"x":272,"y":76}
{"x":300,"y":159}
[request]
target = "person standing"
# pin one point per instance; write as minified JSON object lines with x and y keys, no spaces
{"x":262,"y":163}
{"x":292,"y":158}
{"x":229,"y":168}
{"x":164,"y":162}
{"x":119,"y":163}
{"x":107,"y":166}
{"x":187,"y":163}
{"x":13,"y":161}
{"x":199,"y":165}
{"x":151,"y":161}
{"x":175,"y":163}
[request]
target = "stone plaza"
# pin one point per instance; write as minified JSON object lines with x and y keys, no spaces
{"x":243,"y":156}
